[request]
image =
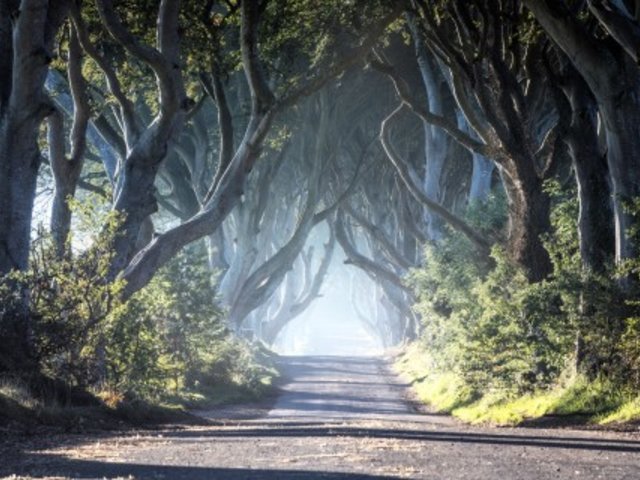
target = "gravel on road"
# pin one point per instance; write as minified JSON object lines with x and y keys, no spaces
{"x":335,"y":418}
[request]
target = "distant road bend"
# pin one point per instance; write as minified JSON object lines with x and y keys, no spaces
{"x":342,"y":418}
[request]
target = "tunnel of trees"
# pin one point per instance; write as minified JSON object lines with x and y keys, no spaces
{"x":176,"y":173}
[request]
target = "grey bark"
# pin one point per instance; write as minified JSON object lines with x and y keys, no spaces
{"x":66,"y":170}
{"x":397,"y":296}
{"x":595,"y":225}
{"x":436,"y":140}
{"x":232,"y":182}
{"x":410,"y":179}
{"x":291,"y":310}
{"x":58,"y":90}
{"x":614,"y":80}
{"x":506,"y":117}
{"x":27,"y":33}
{"x":23,"y":108}
{"x":482,"y":171}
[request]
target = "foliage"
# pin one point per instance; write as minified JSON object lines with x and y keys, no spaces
{"x":493,"y":329}
{"x":500,"y":349}
{"x":301,"y":36}
{"x":171,"y":337}
{"x":598,"y":400}
{"x":70,"y":298}
{"x":168,"y":339}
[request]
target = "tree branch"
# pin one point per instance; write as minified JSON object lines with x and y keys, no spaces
{"x":163,"y":62}
{"x":404,"y":170}
{"x":448,"y":126}
{"x":616,"y":19}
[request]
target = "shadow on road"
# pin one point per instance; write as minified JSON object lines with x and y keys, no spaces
{"x":85,"y":469}
{"x":575,"y":443}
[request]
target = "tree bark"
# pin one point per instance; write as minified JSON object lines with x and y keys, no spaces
{"x":529,"y":209}
{"x":436,"y":140}
{"x":595,"y":225}
{"x":66,"y":171}
{"x":231,"y":185}
{"x":25,"y":59}
{"x":22,"y":110}
{"x":291,"y":311}
{"x":506,"y":118}
{"x":409,"y":178}
{"x":615,"y":82}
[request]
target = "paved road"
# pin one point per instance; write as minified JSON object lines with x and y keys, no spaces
{"x":339,"y":388}
{"x":341,"y":418}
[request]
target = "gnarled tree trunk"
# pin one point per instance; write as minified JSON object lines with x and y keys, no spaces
{"x":614,"y":78}
{"x":27,"y":34}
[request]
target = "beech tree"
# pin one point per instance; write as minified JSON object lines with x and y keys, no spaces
{"x":458,"y":155}
{"x":27,"y":37}
{"x":610,"y":70}
{"x":485,"y":55}
{"x":28,"y":30}
{"x":264,"y":106}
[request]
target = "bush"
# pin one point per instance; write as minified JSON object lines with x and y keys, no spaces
{"x":169,"y":338}
{"x":513,"y":344}
{"x":70,"y":299}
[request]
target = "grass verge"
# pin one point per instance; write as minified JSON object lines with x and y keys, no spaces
{"x":596,"y":402}
{"x":47,"y":402}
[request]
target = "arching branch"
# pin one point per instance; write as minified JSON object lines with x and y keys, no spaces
{"x":409,"y":178}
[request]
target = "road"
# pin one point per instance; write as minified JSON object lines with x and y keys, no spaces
{"x":338,"y":418}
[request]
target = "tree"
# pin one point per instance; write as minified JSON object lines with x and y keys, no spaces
{"x":485,"y":52}
{"x":225,"y":194}
{"x":27,"y":36}
{"x":28,"y":32}
{"x":611,"y":72}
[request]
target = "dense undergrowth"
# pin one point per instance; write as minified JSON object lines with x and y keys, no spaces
{"x":496,"y":348}
{"x":98,"y":358}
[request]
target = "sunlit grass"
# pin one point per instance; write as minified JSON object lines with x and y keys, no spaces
{"x":629,"y":411}
{"x":578,"y":396}
{"x":14,"y":391}
{"x":443,"y":392}
{"x":597,"y":400}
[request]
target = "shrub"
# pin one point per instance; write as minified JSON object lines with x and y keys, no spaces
{"x":168,"y":338}
{"x":513,"y":343}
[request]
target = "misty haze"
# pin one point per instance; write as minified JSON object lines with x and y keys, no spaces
{"x":336,"y":239}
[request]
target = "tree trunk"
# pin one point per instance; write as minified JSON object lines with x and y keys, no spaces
{"x":435,"y":139}
{"x":20,"y":160}
{"x":595,"y":227}
{"x":615,"y":82}
{"x":482,"y":172}
{"x":23,"y":106}
{"x":529,"y":219}
{"x":481,"y":177}
{"x":622,"y":122}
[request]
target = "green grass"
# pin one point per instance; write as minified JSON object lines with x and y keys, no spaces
{"x":493,"y":409}
{"x":576,"y":397}
{"x":248,"y":378}
{"x":629,"y":411}
{"x":444,"y":392}
{"x":599,"y":401}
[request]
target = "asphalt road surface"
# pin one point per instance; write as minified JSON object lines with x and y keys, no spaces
{"x":336,"y":418}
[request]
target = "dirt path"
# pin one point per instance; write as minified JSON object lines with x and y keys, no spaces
{"x":337,"y":418}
